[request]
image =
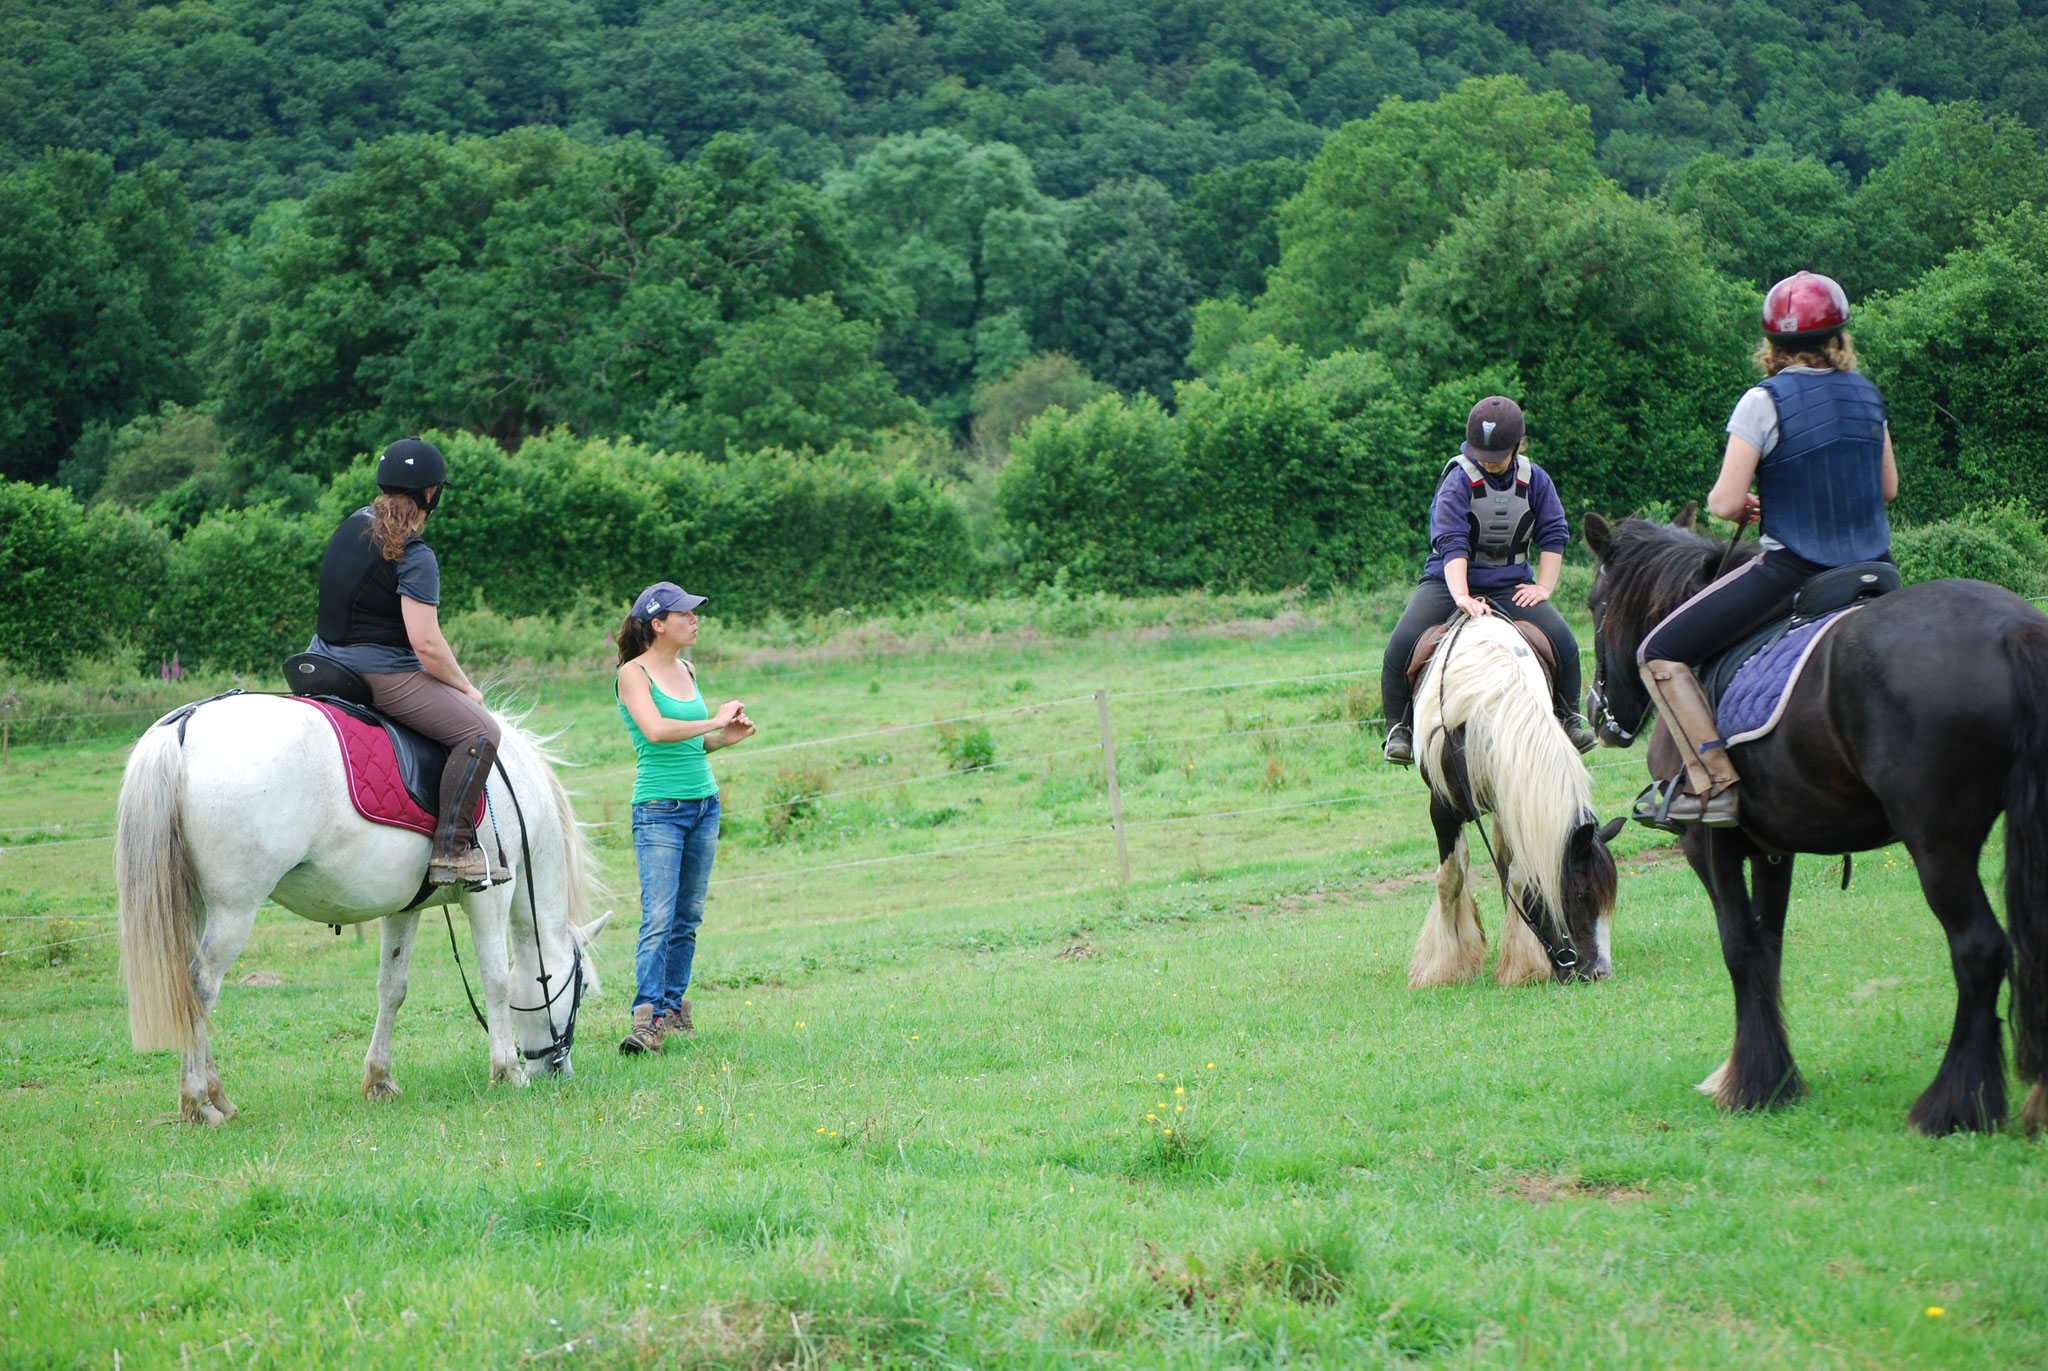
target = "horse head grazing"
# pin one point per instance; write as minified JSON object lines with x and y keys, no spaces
{"x":1590,"y":886}
{"x":1642,"y":571}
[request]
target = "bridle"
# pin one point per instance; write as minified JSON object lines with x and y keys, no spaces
{"x":556,"y":1053}
{"x":1596,"y":697}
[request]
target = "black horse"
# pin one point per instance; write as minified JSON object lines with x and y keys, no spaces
{"x":1918,"y":720}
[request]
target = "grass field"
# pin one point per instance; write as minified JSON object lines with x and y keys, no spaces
{"x":926,"y":1118}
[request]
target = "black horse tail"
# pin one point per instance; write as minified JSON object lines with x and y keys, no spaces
{"x":2026,"y":856}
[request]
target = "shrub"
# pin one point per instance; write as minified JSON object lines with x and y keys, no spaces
{"x":243,"y":589}
{"x":1964,"y":548}
{"x":1098,"y":492}
{"x":73,"y":578}
{"x":966,"y":749}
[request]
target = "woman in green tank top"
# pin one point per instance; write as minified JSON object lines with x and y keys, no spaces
{"x":675,"y":802}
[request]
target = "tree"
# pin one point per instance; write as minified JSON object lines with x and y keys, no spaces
{"x":594,"y":298}
{"x":1628,"y":344}
{"x":1119,"y":304}
{"x":1764,"y":218}
{"x":960,"y":237}
{"x":1962,"y":358}
{"x":100,"y":289}
{"x":800,"y":376}
{"x":1229,"y":232}
{"x":506,"y":285}
{"x":1382,"y":189}
{"x":1957,"y":172}
{"x":1003,"y":407}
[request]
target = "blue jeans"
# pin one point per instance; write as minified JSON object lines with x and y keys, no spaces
{"x":674,"y":842}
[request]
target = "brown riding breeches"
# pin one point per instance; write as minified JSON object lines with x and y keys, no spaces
{"x":427,"y":706}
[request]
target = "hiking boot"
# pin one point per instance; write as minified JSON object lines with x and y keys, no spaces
{"x":1575,"y":728}
{"x":646,"y":1034}
{"x":677,"y":1024}
{"x":1400,"y":747}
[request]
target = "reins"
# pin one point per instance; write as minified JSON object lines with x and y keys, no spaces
{"x":559,"y":1043}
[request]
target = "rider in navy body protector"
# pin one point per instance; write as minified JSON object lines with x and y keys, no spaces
{"x":380,"y":588}
{"x":1812,"y":438}
{"x":1492,"y":505}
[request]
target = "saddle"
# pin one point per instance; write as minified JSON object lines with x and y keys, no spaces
{"x":1748,"y":683}
{"x":1432,"y":638}
{"x":395,"y":779}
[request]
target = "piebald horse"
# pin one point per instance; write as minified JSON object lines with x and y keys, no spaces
{"x":1489,"y":744}
{"x":244,"y":799}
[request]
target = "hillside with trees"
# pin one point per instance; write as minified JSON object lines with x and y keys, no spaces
{"x":955,"y":297}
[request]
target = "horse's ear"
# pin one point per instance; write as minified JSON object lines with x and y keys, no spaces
{"x":1688,"y":517}
{"x":1612,"y":827}
{"x":1599,"y":534}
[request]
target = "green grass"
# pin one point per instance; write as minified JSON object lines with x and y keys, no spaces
{"x":925,"y":1119}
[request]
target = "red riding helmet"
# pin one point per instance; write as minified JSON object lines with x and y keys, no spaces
{"x":1805,"y":309}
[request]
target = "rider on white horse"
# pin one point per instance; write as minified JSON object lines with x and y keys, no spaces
{"x":380,"y":585}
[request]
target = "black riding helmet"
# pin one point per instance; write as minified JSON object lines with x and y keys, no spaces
{"x":412,"y":466}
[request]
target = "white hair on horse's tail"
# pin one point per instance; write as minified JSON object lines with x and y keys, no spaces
{"x":1521,"y":765}
{"x":155,"y":887}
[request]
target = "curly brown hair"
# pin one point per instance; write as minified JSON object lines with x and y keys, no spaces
{"x":395,"y":520}
{"x":1837,"y":353}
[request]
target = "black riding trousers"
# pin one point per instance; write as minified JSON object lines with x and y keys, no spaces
{"x":1432,"y":604}
{"x":1729,"y":609}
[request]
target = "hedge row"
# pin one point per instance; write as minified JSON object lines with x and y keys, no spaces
{"x":562,"y":522}
{"x":1287,"y":472}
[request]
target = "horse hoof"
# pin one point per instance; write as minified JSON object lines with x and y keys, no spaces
{"x":201,"y":1112}
{"x":2034,"y":1113}
{"x":380,"y":1088}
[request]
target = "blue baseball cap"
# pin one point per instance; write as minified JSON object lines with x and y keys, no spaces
{"x":663,"y":597}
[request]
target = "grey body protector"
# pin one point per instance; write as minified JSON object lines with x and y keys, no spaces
{"x":1502,"y":520}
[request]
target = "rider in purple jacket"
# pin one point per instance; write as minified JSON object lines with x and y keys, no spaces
{"x":1492,"y":505}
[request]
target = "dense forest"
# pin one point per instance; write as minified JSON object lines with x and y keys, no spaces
{"x":830,"y":303}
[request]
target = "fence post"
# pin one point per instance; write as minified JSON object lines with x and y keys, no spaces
{"x":1116,"y":802}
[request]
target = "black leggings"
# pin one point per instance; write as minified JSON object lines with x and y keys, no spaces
{"x":1728,"y":609}
{"x":1432,"y":604}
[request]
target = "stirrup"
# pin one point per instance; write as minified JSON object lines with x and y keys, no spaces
{"x":1653,"y":807}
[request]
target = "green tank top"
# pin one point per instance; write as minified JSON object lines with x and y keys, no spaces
{"x":670,"y":771}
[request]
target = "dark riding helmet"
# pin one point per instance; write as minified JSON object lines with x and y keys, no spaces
{"x":1805,"y":308}
{"x":412,"y":466}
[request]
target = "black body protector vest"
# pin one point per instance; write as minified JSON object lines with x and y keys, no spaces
{"x":1502,"y":520}
{"x":359,"y":589}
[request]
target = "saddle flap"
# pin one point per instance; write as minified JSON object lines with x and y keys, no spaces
{"x":1839,"y":587}
{"x":310,"y":673}
{"x":416,"y":760}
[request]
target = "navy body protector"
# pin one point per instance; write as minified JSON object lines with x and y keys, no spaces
{"x":1502,"y":521}
{"x":1822,"y":485}
{"x":359,"y":590}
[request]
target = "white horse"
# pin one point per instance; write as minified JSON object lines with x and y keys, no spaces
{"x":247,"y":800}
{"x":1490,"y":745}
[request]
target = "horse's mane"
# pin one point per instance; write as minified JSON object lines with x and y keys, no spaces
{"x":1655,"y":567}
{"x":1519,"y":763}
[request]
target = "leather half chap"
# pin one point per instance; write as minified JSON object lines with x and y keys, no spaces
{"x":1684,"y":705}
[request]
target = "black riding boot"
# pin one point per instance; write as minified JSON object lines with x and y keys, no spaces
{"x":457,"y":859}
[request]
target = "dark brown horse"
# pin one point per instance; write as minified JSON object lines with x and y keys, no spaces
{"x":1918,"y":720}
